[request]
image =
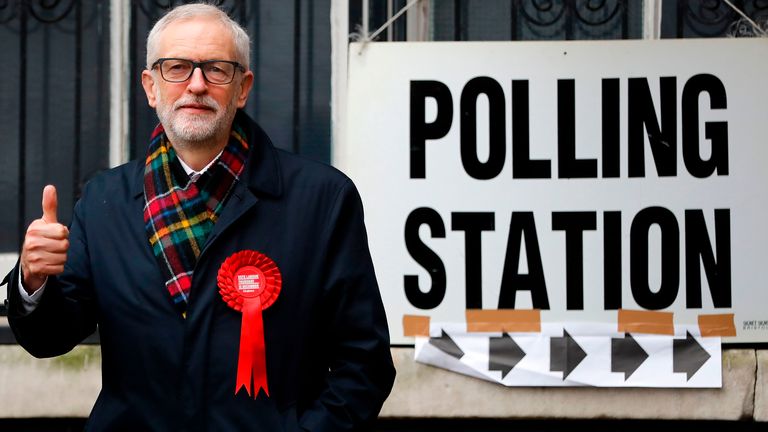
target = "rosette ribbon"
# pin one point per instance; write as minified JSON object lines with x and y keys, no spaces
{"x":250,"y":282}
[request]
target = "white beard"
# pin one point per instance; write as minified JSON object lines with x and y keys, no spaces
{"x":188,"y":129}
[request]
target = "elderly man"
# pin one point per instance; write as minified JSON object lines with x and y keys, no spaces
{"x":230,"y":281}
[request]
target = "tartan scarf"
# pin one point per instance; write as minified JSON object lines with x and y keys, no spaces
{"x":179,"y":211}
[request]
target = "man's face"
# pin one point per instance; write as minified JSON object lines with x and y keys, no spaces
{"x":196,"y":110}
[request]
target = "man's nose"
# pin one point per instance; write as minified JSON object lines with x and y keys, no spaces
{"x":197,"y":83}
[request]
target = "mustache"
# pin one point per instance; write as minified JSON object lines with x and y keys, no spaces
{"x":206,"y":101}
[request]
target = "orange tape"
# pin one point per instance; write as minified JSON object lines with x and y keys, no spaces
{"x":717,"y":325}
{"x":503,"y":320}
{"x":653,"y":322}
{"x":415,"y":325}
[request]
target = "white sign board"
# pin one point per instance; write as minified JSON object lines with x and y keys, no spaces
{"x":578,"y":178}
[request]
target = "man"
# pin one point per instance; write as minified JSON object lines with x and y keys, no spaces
{"x":231,"y":282}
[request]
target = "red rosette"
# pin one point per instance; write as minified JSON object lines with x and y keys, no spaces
{"x":249,"y":258}
{"x":250,"y":282}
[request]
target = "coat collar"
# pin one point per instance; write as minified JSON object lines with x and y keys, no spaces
{"x":262,"y":170}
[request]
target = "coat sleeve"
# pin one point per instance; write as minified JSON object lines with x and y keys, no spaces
{"x":66,"y":312}
{"x":361,"y":372}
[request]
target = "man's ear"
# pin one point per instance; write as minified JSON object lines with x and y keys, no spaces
{"x":245,"y":88}
{"x":148,"y":82}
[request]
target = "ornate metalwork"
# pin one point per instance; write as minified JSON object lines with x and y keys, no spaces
{"x":598,"y":13}
{"x":568,"y":19}
{"x":37,"y":13}
{"x":41,"y":13}
{"x":744,"y":28}
{"x":44,"y":11}
{"x":8,"y":11}
{"x":542,"y":13}
{"x":49,"y":11}
{"x":715,"y":17}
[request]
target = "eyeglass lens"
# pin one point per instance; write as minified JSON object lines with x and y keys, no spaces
{"x":216,"y":72}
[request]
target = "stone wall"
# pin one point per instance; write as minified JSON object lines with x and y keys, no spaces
{"x":67,"y":386}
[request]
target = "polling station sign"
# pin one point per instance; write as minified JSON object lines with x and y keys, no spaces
{"x":578,"y":179}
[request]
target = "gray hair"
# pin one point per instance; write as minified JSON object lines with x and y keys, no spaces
{"x":195,"y":10}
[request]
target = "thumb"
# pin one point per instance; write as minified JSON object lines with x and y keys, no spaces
{"x":50,"y":204}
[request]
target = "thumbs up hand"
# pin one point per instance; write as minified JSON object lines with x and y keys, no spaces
{"x":45,"y":245}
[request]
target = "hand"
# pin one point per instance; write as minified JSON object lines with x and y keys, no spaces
{"x":45,"y":245}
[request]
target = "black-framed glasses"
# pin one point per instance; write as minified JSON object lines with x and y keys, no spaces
{"x":178,"y":70}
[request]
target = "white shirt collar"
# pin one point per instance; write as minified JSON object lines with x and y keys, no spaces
{"x":190,"y":172}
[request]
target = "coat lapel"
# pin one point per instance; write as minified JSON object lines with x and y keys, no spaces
{"x":261,"y":177}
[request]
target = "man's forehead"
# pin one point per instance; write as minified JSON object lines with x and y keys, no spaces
{"x":203,"y":36}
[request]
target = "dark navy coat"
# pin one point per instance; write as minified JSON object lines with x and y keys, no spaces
{"x":329,"y":366}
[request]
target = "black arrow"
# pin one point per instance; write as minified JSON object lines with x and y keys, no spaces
{"x":503,"y":354}
{"x":626,"y":355}
{"x":564,"y":354}
{"x":688,"y":356}
{"x":445,"y":344}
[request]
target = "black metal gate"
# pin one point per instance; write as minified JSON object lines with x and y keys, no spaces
{"x":54,"y":105}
